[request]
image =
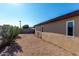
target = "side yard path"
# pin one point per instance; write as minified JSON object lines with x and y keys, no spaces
{"x":32,"y":46}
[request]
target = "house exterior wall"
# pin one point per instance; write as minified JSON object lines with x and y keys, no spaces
{"x":55,"y":32}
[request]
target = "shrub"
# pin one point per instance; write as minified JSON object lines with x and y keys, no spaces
{"x":9,"y":33}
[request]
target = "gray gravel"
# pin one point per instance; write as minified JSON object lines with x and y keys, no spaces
{"x":6,"y":52}
{"x":10,"y":50}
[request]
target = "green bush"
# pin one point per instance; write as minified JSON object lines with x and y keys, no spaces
{"x":9,"y":33}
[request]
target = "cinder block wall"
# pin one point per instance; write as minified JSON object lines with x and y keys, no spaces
{"x":55,"y":32}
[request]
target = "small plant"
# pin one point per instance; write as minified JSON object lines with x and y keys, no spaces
{"x":9,"y":33}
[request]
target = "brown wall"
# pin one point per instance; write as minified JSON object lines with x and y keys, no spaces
{"x":60,"y":26}
{"x":55,"y":32}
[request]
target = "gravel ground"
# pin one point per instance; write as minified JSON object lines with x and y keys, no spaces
{"x":32,"y":46}
{"x":10,"y":50}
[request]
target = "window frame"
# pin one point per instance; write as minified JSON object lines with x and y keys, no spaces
{"x":67,"y":28}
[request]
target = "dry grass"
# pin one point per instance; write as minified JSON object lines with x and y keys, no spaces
{"x":32,"y":46}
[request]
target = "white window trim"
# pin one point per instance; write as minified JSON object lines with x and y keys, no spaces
{"x":67,"y":28}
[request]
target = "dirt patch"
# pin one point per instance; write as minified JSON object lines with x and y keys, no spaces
{"x":33,"y":46}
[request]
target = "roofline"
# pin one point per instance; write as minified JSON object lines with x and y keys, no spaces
{"x":68,"y":15}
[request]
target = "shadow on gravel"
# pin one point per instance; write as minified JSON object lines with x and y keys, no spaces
{"x":10,"y":50}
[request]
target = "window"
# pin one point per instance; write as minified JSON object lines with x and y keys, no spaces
{"x":70,"y":28}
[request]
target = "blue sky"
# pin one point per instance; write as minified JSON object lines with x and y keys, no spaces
{"x":33,"y":14}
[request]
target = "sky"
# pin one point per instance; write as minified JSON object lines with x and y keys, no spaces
{"x":33,"y":13}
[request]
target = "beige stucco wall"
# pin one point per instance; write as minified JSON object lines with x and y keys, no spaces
{"x":60,"y":26}
{"x":55,"y":32}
